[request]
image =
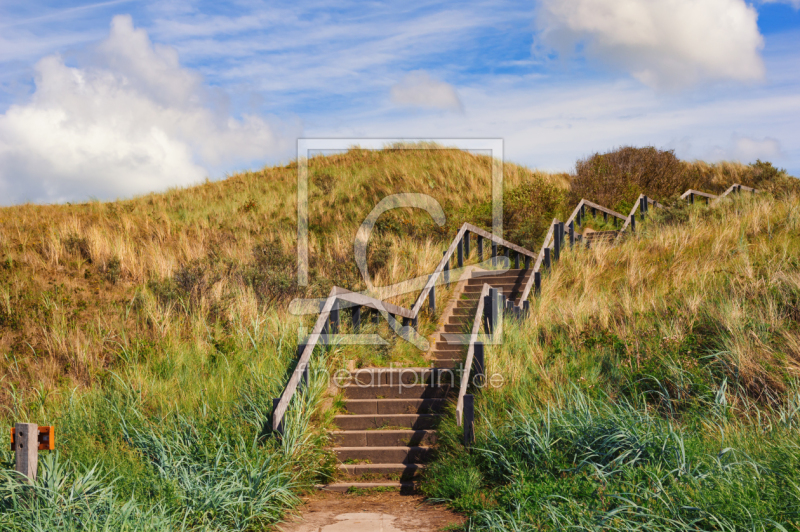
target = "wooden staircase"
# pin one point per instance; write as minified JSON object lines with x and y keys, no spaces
{"x":387,"y":431}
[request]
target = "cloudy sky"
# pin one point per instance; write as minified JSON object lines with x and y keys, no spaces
{"x":117,"y":98}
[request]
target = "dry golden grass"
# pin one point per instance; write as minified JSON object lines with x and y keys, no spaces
{"x":719,"y":292}
{"x":79,"y":283}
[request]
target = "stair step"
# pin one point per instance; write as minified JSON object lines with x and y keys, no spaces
{"x":444,"y":346}
{"x":457,"y":328}
{"x":394,"y":406}
{"x":377,"y":421}
{"x":506,"y":287}
{"x":389,"y":376}
{"x":384,"y":455}
{"x":383,"y":438}
{"x":399,"y":471}
{"x":448,"y":363}
{"x":406,"y":487}
{"x":398,"y":391}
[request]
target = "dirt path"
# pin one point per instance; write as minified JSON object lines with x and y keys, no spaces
{"x":371,"y":512}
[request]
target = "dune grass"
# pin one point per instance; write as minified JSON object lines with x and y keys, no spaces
{"x":153,"y":332}
{"x":654,"y":385}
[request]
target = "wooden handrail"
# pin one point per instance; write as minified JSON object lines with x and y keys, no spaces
{"x":360,"y":299}
{"x":698,"y":193}
{"x":466,"y":227}
{"x":538,"y":264}
{"x":476,"y":328}
{"x":305,"y":357}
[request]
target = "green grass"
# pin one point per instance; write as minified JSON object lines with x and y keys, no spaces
{"x":153,"y":333}
{"x":654,"y":385}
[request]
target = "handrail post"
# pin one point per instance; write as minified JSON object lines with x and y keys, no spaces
{"x":480,"y":248}
{"x":492,"y":309}
{"x":605,"y":217}
{"x":642,"y":207}
{"x":633,"y":223}
{"x":691,"y":198}
{"x":594,"y":212}
{"x":571,"y":231}
{"x":494,"y":253}
{"x":275,"y":402}
{"x":546,"y":260}
{"x":355,"y":317}
{"x":562,"y":233}
{"x":304,"y":382}
{"x":537,"y":284}
{"x":578,"y":219}
{"x":487,"y":314}
{"x":335,"y":317}
{"x":516,"y":260}
{"x":478,"y":363}
{"x":469,"y":420}
{"x":432,"y":298}
{"x":556,"y":243}
{"x":466,"y":244}
{"x":527,"y":263}
{"x":446,"y":269}
{"x":460,"y":247}
{"x":526,"y":309}
{"x":324,"y":333}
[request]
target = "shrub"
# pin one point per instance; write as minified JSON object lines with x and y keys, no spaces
{"x":615,"y":179}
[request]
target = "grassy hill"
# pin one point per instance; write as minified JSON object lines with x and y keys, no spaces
{"x":153,"y":332}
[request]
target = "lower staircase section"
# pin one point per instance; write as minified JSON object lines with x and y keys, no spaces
{"x":388,"y":429}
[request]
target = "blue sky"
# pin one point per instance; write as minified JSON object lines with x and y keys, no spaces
{"x":119,"y":98}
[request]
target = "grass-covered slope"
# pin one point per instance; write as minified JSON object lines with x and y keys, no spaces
{"x":153,"y":332}
{"x":654,"y":386}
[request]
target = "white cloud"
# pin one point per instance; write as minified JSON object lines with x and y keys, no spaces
{"x":130,"y":121}
{"x":665,"y":43}
{"x":747,"y":149}
{"x":418,"y":89}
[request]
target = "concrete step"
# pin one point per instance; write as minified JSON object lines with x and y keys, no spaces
{"x":464,"y":310}
{"x":456,"y":320}
{"x":394,"y":421}
{"x":383,"y":438}
{"x":394,"y":471}
{"x":384,"y":455}
{"x":398,"y":391}
{"x":394,"y":406}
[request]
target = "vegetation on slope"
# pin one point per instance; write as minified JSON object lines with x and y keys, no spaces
{"x":153,"y":332}
{"x":653,"y":387}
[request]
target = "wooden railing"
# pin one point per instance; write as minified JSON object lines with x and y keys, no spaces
{"x":328,"y":319}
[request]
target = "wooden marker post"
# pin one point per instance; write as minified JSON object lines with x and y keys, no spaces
{"x":27,"y":439}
